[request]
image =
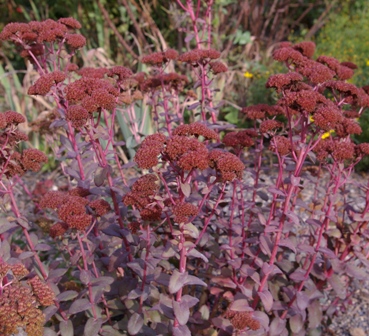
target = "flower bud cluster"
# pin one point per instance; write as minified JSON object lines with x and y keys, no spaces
{"x":183,"y":211}
{"x":240,"y":139}
{"x":242,"y":320}
{"x":160,"y":57}
{"x":73,"y":209}
{"x":228,"y":165}
{"x":141,"y":197}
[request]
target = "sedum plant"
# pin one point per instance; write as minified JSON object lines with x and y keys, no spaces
{"x":200,"y":234}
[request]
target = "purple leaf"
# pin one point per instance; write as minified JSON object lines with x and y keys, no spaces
{"x":192,"y":280}
{"x":186,"y":189}
{"x":181,"y":331}
{"x":356,"y":272}
{"x":189,"y":301}
{"x":337,"y":285}
{"x":197,"y":254}
{"x":5,"y":225}
{"x":287,"y":243}
{"x":298,"y":275}
{"x":302,"y":300}
{"x":56,"y":273}
{"x":177,"y":281}
{"x":296,"y":323}
{"x":241,"y":305}
{"x":66,"y":328}
{"x":49,"y":312}
{"x":277,"y":327}
{"x":85,"y":277}
{"x":181,"y":312}
{"x":315,"y":314}
{"x":135,"y":324}
{"x":267,"y":299}
{"x":79,"y":306}
{"x":92,"y":327}
{"x":67,"y":295}
{"x":42,"y":247}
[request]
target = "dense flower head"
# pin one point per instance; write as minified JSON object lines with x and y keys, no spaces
{"x":227,"y":164}
{"x":327,"y":118}
{"x":79,"y":191}
{"x":343,"y":150}
{"x":346,"y":89}
{"x":150,"y":83}
{"x":45,"y":296}
{"x":316,"y":72}
{"x":343,"y":72}
{"x":183,"y":211}
{"x":103,"y":99}
{"x":260,"y":111}
{"x":58,"y":229}
{"x":14,"y":166}
{"x":75,"y":41}
{"x":92,"y":93}
{"x":19,"y":270}
{"x":53,"y":199}
{"x":77,"y":114}
{"x":134,"y":227}
{"x":40,"y":32}
{"x":307,"y":48}
{"x":151,"y":213}
{"x":218,"y":67}
{"x":350,"y":65}
{"x":362,"y":149}
{"x":18,"y":309}
{"x":51,"y":31}
{"x":3,"y":122}
{"x":72,"y":67}
{"x":198,"y":55}
{"x":304,"y":99}
{"x":197,"y":129}
{"x":32,"y":159}
{"x":92,"y":72}
{"x":72,"y":206}
{"x":70,"y":23}
{"x":269,"y":125}
{"x":160,"y":57}
{"x":12,"y":118}
{"x":347,"y":127}
{"x":280,"y":144}
{"x":120,"y":71}
{"x":170,"y":80}
{"x":142,"y":191}
{"x":351,"y":114}
{"x":13,"y":137}
{"x":100,"y":206}
{"x":287,"y":54}
{"x":43,"y":85}
{"x":281,"y":81}
{"x":242,"y":320}
{"x":239,"y":139}
{"x":147,"y":155}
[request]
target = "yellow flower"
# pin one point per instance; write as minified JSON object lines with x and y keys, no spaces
{"x":327,"y":134}
{"x":248,"y":74}
{"x":367,"y":62}
{"x":311,"y":118}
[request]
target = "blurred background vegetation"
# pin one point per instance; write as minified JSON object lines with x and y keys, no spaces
{"x":121,"y":31}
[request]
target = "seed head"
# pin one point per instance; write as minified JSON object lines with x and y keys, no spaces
{"x":32,"y":159}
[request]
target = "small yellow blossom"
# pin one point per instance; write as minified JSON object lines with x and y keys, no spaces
{"x":367,"y":62}
{"x":311,"y":118}
{"x":248,"y":74}
{"x":327,"y":134}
